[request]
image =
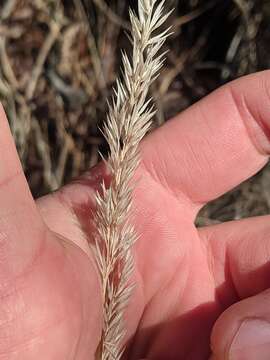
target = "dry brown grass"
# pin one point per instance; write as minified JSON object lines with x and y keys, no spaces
{"x":59,"y":59}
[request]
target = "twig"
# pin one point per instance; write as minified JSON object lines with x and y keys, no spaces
{"x":249,"y":32}
{"x":44,"y":153}
{"x":7,"y":9}
{"x":184,"y":19}
{"x":114,"y":18}
{"x":42,"y":56}
{"x":6,"y":66}
{"x":97,"y":65}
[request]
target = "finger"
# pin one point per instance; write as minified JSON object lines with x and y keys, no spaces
{"x":239,"y":255}
{"x":243,"y":331}
{"x":216,"y":144}
{"x":20,"y":223}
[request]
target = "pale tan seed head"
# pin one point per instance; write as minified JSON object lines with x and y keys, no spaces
{"x":129,"y":119}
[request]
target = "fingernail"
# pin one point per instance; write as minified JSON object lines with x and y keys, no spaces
{"x":252,"y":341}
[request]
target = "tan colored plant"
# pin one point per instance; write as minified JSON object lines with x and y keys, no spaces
{"x":128,"y":121}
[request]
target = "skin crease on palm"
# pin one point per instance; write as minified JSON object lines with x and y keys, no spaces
{"x":190,"y":282}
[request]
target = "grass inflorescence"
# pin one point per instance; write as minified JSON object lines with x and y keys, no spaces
{"x":129,"y":119}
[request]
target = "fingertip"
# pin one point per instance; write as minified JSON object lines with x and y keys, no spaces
{"x":242,"y":332}
{"x":251,"y":95}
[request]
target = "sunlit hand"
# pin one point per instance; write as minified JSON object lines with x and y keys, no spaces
{"x":191,"y":283}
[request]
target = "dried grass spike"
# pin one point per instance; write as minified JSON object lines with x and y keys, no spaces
{"x":129,"y":119}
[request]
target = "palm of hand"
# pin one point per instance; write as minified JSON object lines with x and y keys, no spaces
{"x":185,"y":277}
{"x":168,"y":254}
{"x":167,"y":309}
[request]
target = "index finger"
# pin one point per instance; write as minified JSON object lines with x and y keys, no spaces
{"x":214,"y":145}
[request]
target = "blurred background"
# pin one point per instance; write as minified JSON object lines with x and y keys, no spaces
{"x":59,"y":60}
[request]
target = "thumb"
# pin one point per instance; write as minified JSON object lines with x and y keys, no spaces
{"x":243,"y":331}
{"x":22,"y":231}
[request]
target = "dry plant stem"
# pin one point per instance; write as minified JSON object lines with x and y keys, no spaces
{"x":117,"y":20}
{"x":128,"y":121}
{"x":93,"y":49}
{"x":53,"y":34}
{"x":7,"y":9}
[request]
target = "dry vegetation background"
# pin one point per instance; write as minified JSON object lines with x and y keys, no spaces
{"x":59,"y":60}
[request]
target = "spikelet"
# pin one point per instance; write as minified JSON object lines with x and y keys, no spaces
{"x":129,"y":119}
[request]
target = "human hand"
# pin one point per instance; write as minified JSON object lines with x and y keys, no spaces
{"x":191,"y":283}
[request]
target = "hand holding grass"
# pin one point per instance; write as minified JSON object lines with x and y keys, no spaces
{"x":187,"y":279}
